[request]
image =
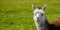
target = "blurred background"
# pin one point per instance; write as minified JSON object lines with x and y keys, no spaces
{"x":18,"y":14}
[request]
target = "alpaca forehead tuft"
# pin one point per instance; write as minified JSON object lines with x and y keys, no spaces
{"x":38,"y":10}
{"x":39,"y":7}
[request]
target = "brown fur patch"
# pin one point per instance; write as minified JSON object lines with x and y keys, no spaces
{"x":57,"y":22}
{"x":39,"y":7}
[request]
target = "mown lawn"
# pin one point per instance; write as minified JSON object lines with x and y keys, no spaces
{"x":18,"y":14}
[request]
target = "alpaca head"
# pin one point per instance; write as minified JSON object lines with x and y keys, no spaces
{"x":39,"y":11}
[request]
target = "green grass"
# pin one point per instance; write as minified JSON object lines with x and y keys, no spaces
{"x":18,"y":14}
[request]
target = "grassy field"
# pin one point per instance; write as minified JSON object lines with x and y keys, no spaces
{"x":18,"y":14}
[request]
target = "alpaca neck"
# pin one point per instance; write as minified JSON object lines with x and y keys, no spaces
{"x":43,"y":22}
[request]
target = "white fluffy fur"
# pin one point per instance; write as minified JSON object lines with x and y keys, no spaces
{"x":39,"y":19}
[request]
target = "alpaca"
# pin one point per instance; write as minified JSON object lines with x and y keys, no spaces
{"x":41,"y":20}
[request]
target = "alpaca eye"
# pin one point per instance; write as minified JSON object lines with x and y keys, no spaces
{"x":42,"y":14}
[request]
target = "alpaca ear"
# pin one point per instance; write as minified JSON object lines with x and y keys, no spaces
{"x":44,"y":7}
{"x":33,"y":6}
